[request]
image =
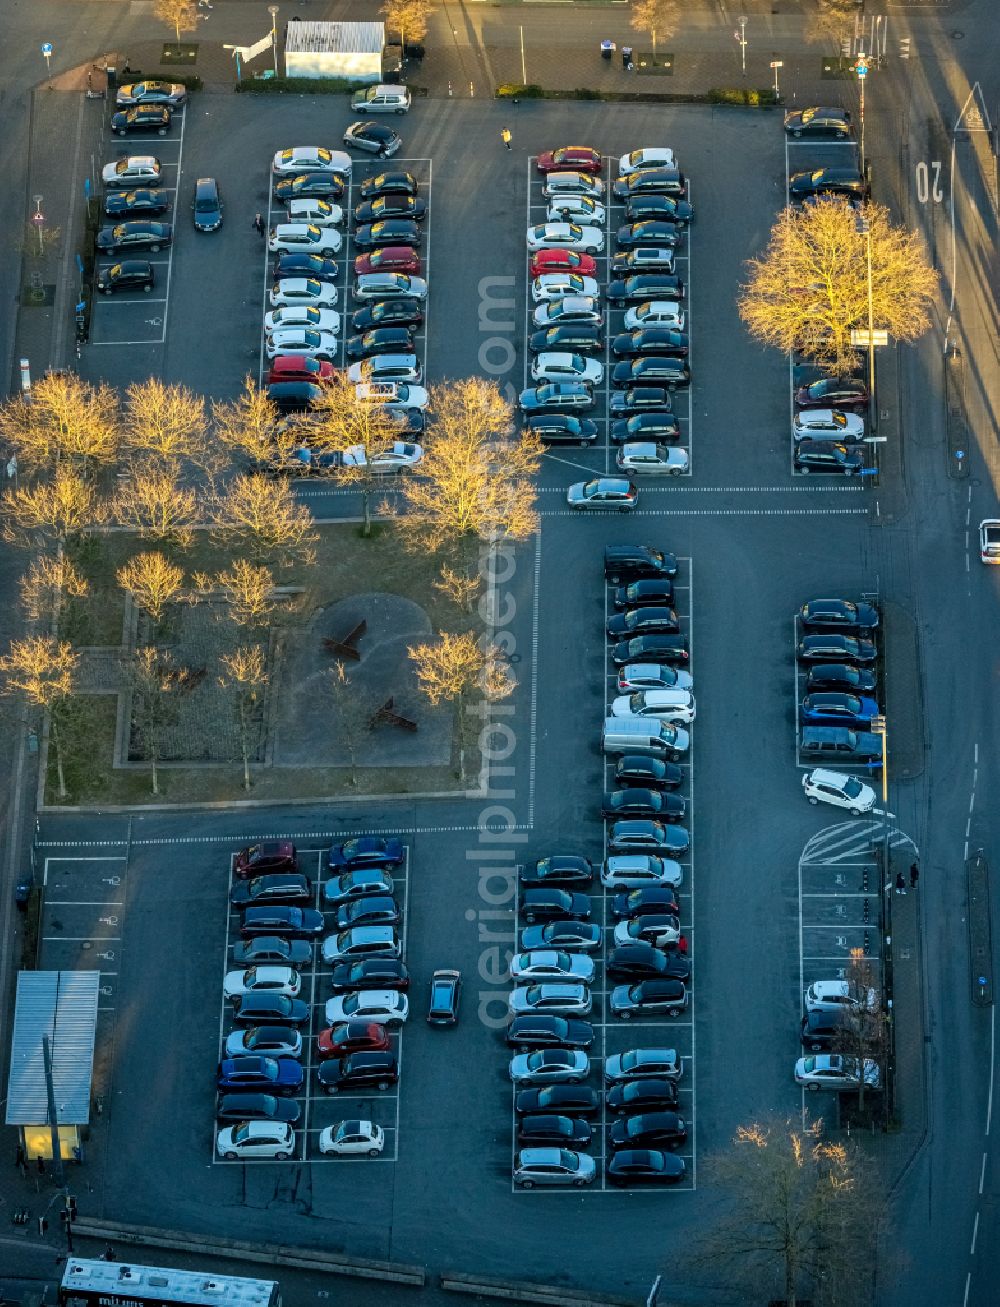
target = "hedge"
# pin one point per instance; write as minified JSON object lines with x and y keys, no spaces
{"x":763,"y":97}
{"x":298,"y":86}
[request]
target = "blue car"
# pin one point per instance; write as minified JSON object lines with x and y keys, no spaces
{"x":276,"y":1075}
{"x":365,"y":851}
{"x":839,"y":709}
{"x":306,"y":265}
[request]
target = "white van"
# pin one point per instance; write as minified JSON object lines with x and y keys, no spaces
{"x":671,"y":705}
{"x":644,"y":735}
{"x":381,"y":99}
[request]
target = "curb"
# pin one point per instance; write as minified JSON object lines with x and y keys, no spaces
{"x":483,"y":1286}
{"x":226,"y":805}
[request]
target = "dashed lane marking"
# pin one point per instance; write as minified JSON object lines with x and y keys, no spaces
{"x":716,"y":512}
{"x":272,"y":835}
{"x":731,"y":490}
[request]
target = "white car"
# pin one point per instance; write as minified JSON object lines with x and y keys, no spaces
{"x":136,"y":170}
{"x":402,"y":454}
{"x":302,"y":316}
{"x":352,"y":1139}
{"x":837,"y":995}
{"x":319,"y":212}
{"x":574,"y":308}
{"x":552,"y":964}
{"x":653,"y":676}
{"x":394,"y":395}
{"x":555,"y":365}
{"x":386,"y":367}
{"x":557,"y":285}
{"x":637,"y":870}
{"x":989,"y":540}
{"x":664,"y":705}
{"x":256,"y":1139}
{"x":655,"y":156}
{"x":827,"y":424}
{"x":550,"y":1066}
{"x":650,"y":459}
{"x":577,"y":208}
{"x":572,"y":183}
{"x":311,"y":158}
{"x":822,"y":786}
{"x":656,"y":313}
{"x":833,"y":1071}
{"x":559,"y":997}
{"x":661,"y":932}
{"x":565,"y":236}
{"x":292,"y":291}
{"x":301,"y":340}
{"x":262,"y":980}
{"x":387,"y":1007}
{"x":389,"y":285}
{"x":303,"y":238}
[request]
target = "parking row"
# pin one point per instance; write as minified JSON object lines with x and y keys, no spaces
{"x":315,"y":995}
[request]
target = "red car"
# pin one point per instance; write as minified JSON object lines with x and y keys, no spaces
{"x":563,"y":261}
{"x":299,"y":367}
{"x":388,"y":258}
{"x":352,"y":1037}
{"x":268,"y":855}
{"x":571,"y":158}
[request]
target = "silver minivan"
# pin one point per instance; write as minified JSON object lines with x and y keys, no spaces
{"x":644,"y":735}
{"x":381,"y":99}
{"x":572,"y":183}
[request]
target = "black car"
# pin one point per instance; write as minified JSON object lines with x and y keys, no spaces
{"x":256,"y":1107}
{"x":647,"y":773}
{"x":390,"y":231}
{"x":649,"y":1130}
{"x":373,"y":138}
{"x":391,"y":206}
{"x":651,"y":340}
{"x":132,"y":204}
{"x":650,"y":900}
{"x":624,"y":563}
{"x":834,"y":392}
{"x":143,"y":118}
{"x":654,"y":370}
{"x":844,"y":181}
{"x":310,"y":186}
{"x":554,"y":1132}
{"x":651,"y":649}
{"x":651,"y":231}
{"x":839,"y":615}
{"x":388,"y":313}
{"x":639,"y":961}
{"x":562,"y":429}
{"x":571,"y":336}
{"x":643,"y":803}
{"x":372,"y":910}
{"x":369,"y":973}
{"x":663,"y":208}
{"x":293,"y":396}
{"x":206,"y":207}
{"x":841,"y":676}
{"x":287,"y":887}
{"x":645,"y":286}
{"x":305,"y":265}
{"x":357,"y":884}
{"x":662,"y":428}
{"x":643,"y":621}
{"x":642,"y":1096}
{"x":818,"y":120}
{"x":127,"y":236}
{"x":645,"y":1166}
{"x":844,"y":648}
{"x":640,"y":399}
{"x":388,"y":183}
{"x":554,"y":904}
{"x":377,"y":1070}
{"x":828,"y":456}
{"x":272,"y":949}
{"x":380,"y":340}
{"x":557,"y":1100}
{"x":446,"y":990}
{"x":638,"y":594}
{"x":824,"y":1030}
{"x":270,"y":1009}
{"x":543,"y":1030}
{"x":652,"y":181}
{"x":130,"y":274}
{"x":366,"y":851}
{"x":291,"y":922}
{"x":560,"y":869}
{"x":644,"y":835}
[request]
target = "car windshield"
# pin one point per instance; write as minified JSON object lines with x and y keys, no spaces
{"x":241,"y":1133}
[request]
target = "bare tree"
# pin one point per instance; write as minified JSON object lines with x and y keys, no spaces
{"x":353,"y":710}
{"x":62,"y":508}
{"x":43,"y":671}
{"x":48,"y":581}
{"x":245,"y":673}
{"x":657,"y":17}
{"x":264,"y":518}
{"x":154,"y":681}
{"x":250,"y":426}
{"x":153,"y":581}
{"x":800,"y":1214}
{"x":407,"y":17}
{"x":831,"y":20}
{"x":152,"y":503}
{"x":248,"y":591}
{"x":66,"y":419}
{"x":459,"y":587}
{"x":810,"y":289}
{"x":166,"y":422}
{"x":181,"y":15}
{"x":864,"y":1021}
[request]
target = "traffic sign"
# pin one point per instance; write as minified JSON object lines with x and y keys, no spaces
{"x":46,"y":48}
{"x":777,"y":63}
{"x":861,"y":69}
{"x":877,"y":337}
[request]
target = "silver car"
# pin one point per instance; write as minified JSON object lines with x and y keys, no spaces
{"x":643,"y":1064}
{"x":552,"y":964}
{"x":553,"y":1166}
{"x":832,"y":1071}
{"x":567,"y":1000}
{"x":549,"y":1066}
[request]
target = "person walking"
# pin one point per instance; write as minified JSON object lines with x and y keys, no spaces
{"x":900,"y":883}
{"x":914,"y":875}
{"x":258,"y":224}
{"x":505,"y":137}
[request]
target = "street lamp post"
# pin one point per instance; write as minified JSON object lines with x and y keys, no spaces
{"x":861,"y":68}
{"x":741,"y":36}
{"x":273,"y":11}
{"x":864,"y":226}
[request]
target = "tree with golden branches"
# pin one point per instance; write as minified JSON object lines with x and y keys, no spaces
{"x":657,"y":17}
{"x":49,"y":580}
{"x":251,"y":427}
{"x":66,"y":420}
{"x":408,"y":18}
{"x":43,"y":671}
{"x":264,"y":518}
{"x":831,"y":20}
{"x":809,"y":290}
{"x":459,"y":587}
{"x":244,"y":671}
{"x":167,"y":423}
{"x":476,"y":478}
{"x":155,"y":683}
{"x":153,"y":581}
{"x":181,"y":15}
{"x":247,"y":589}
{"x":155,"y":505}
{"x":64,"y":507}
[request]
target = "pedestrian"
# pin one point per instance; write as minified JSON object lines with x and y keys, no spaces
{"x":258,"y":224}
{"x":505,"y":137}
{"x":900,"y":883}
{"x":914,"y":875}
{"x":21,"y":1160}
{"x":109,"y":1253}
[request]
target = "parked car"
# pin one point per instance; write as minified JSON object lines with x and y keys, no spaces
{"x":255,"y":1140}
{"x":635,"y":770}
{"x":576,"y":309}
{"x":388,"y":313}
{"x":129,"y":274}
{"x":828,"y":456}
{"x":266,"y":949}
{"x":291,"y":292}
{"x":554,"y":1131}
{"x":833,"y":392}
{"x":658,"y":648}
{"x":304,"y":238}
{"x":560,"y":285}
{"x":649,"y":997}
{"x":603,"y":493}
{"x":835,"y":708}
{"x":562,"y":261}
{"x":656,"y":313}
{"x":556,"y":395}
{"x":352,"y":1139}
{"x":828,"y":424}
{"x":823,"y":1029}
{"x":140,"y":235}
{"x":654,"y":181}
{"x":360,"y":942}
{"x":277,"y":887}
{"x":639,"y":960}
{"x":649,"y":620}
{"x":143,"y":118}
{"x":386,"y":1007}
{"x":292,"y":922}
{"x":310,"y":185}
{"x":624,"y":563}
{"x":389,"y":231}
{"x":311,"y":158}
{"x":314,"y":266}
{"x":373,"y":138}
{"x":581,"y":158}
{"x":638,"y":902}
{"x":267,"y":856}
{"x":270,"y":1041}
{"x":632,"y":1166}
{"x":648,"y":458}
{"x":822,"y":786}
{"x":134,"y":170}
{"x":632,"y":1096}
{"x":640,"y":835}
{"x":388,"y":183}
{"x":839,"y":615}
{"x":567,"y":936}
{"x":358,"y":1036}
{"x":371,"y":910}
{"x":391,"y":206}
{"x":816,"y":648}
{"x":636,"y":870}
{"x":261,"y":979}
{"x":362,"y":882}
{"x":553,"y":1166}
{"x":366,"y":851}
{"x":358,"y":1071}
{"x":844,"y":181}
{"x":637,"y":802}
{"x":554,"y":904}
{"x":559,"y":869}
{"x":273,"y":1075}
{"x":140,"y":203}
{"x":543,"y":1030}
{"x":551,"y":964}
{"x":565,"y":235}
{"x":377,"y":286}
{"x":549,"y":1066}
{"x":835,"y":1071}
{"x":654,"y":370}
{"x":256,"y":1107}
{"x":645,"y":286}
{"x":562,"y":429}
{"x":557,"y":1100}
{"x":819,"y":120}
{"x":644,"y":1064}
{"x":579,"y":336}
{"x":559,"y":997}
{"x":370,"y":973}
{"x":172,"y":94}
{"x":318,"y":213}
{"x":650,"y":340}
{"x":841,"y":676}
{"x":645,"y":258}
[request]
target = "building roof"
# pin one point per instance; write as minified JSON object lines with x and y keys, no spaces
{"x":62,"y":1005}
{"x":339,"y":38}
